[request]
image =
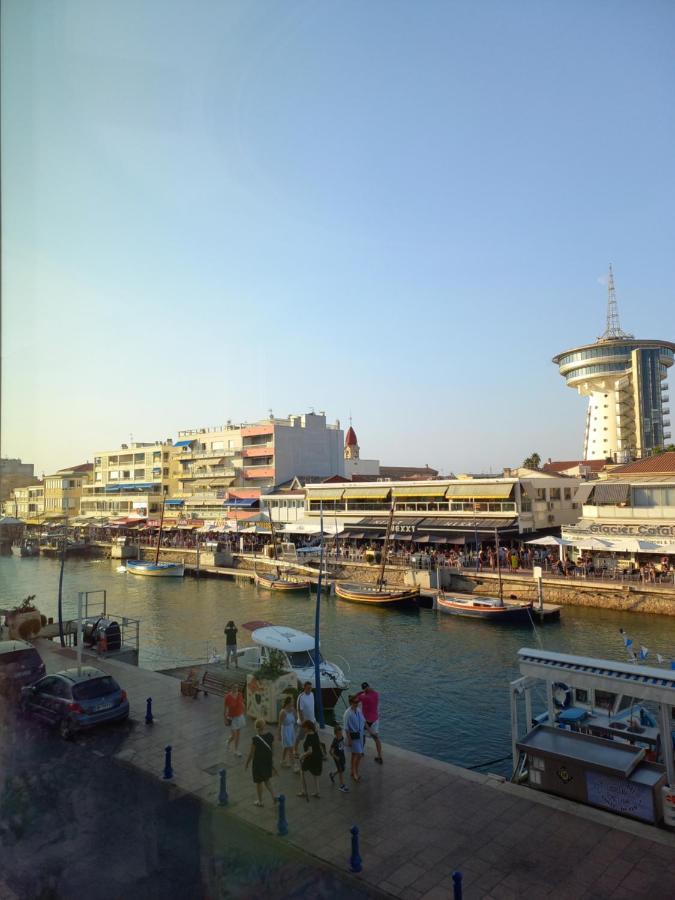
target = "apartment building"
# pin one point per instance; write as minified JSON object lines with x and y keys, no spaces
{"x":63,"y":490}
{"x":130,"y":481}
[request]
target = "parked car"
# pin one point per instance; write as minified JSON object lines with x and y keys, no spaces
{"x":20,"y":665}
{"x":74,"y":702}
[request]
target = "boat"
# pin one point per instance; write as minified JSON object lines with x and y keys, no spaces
{"x":491,"y":609}
{"x":284,"y":582}
{"x":26,"y":548}
{"x":378,"y":594}
{"x":156,"y":568}
{"x":72,"y":548}
{"x":161,"y":569}
{"x":297,"y":648}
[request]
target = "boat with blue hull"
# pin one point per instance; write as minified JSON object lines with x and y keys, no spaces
{"x":161,"y":569}
{"x":490,"y":609}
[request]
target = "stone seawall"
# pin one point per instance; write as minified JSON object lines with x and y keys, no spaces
{"x":626,"y":597}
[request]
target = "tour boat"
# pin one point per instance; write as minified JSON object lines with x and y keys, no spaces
{"x":285,"y":583}
{"x":161,"y":569}
{"x":376,"y":594}
{"x":492,"y":609}
{"x":297,"y":648}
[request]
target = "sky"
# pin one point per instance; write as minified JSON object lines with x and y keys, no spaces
{"x":399,"y":211}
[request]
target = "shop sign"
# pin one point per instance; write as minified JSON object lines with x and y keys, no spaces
{"x":631,"y":530}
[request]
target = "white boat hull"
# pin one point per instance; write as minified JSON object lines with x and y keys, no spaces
{"x":156,"y":570}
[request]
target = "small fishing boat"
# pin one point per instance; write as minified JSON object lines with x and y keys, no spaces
{"x":297,"y":648}
{"x":285,"y":583}
{"x":156,"y":568}
{"x":378,"y":594}
{"x":491,"y":609}
{"x":26,"y":548}
{"x":161,"y":569}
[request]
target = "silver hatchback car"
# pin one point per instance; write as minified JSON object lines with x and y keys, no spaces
{"x":73,"y":701}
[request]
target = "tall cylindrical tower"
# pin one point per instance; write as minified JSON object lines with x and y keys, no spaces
{"x":625,"y":380}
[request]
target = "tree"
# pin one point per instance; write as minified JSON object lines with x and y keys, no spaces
{"x":533,"y":461}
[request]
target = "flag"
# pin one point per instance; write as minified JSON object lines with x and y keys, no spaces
{"x":643,"y":652}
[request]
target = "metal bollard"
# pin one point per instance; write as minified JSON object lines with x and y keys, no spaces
{"x":457,"y":885}
{"x":282,"y":824}
{"x":355,"y":863}
{"x":148,"y":711}
{"x":168,"y":771}
{"x":223,"y":799}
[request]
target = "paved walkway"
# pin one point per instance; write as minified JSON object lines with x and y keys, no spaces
{"x":419,"y":818}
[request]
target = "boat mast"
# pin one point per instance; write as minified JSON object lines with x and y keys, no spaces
{"x":318,"y":699}
{"x":159,"y":534}
{"x":385,"y":548}
{"x":499,"y":568}
{"x":274,"y":538}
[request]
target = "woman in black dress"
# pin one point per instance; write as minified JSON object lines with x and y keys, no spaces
{"x":312,"y":759}
{"x":263,"y":764}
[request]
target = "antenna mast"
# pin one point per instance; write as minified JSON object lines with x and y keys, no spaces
{"x":613,"y":330}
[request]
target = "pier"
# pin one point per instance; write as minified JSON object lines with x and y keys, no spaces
{"x":419,"y":819}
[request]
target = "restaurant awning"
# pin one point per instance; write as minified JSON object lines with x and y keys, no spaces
{"x":447,"y":525}
{"x":495,"y":491}
{"x":367,"y":493}
{"x":332,"y":493}
{"x":419,"y":490}
{"x":611,"y":493}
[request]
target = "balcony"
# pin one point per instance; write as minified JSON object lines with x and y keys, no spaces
{"x":252,"y":472}
{"x":213,"y":472}
{"x":266,"y":449}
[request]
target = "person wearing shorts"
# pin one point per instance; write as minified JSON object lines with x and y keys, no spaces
{"x":234,"y":716}
{"x":370,"y":705}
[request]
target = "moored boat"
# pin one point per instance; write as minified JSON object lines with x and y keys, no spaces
{"x":73,"y":548}
{"x":491,"y":609}
{"x":26,"y":549}
{"x":376,"y":595}
{"x":284,"y":583}
{"x":161,"y":569}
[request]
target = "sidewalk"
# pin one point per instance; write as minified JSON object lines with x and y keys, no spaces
{"x":420,"y":819}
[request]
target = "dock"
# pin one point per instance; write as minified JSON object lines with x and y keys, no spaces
{"x":420,"y":819}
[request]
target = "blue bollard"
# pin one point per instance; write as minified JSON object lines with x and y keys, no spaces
{"x":282,"y":824}
{"x":168,"y":771}
{"x":355,"y":863}
{"x":457,"y":885}
{"x":148,"y":711}
{"x":223,"y":799}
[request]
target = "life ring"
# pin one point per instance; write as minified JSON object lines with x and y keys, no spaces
{"x":562,"y":695}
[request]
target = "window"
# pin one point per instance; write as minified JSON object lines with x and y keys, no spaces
{"x":114,"y":475}
{"x":555,"y":494}
{"x":568,"y":493}
{"x":541,"y":494}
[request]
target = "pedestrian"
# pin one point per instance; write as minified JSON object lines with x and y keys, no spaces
{"x":261,"y":754}
{"x":355,"y":725}
{"x":234,"y":716}
{"x":337,"y":751}
{"x":312,"y":759}
{"x":287,"y":722}
{"x":231,"y":644}
{"x":370,"y":706}
{"x":305,"y":709}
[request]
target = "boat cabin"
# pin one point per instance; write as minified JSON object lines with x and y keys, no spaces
{"x":296,"y":646}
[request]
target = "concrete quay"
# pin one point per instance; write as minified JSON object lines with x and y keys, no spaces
{"x":419,"y":818}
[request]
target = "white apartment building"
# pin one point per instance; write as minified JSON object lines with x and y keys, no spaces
{"x":130,"y":481}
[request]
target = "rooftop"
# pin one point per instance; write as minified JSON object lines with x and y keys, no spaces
{"x":660,"y":464}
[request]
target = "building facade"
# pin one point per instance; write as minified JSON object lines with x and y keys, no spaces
{"x":27,"y":503}
{"x":63,"y":490}
{"x":625,"y":380}
{"x":14,"y":474}
{"x":130,"y":481}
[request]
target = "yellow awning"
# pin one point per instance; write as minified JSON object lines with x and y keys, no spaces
{"x":480,"y":491}
{"x":420,"y":490}
{"x":326,"y":493}
{"x":364,"y":493}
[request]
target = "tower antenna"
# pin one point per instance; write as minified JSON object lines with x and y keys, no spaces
{"x":613,"y":330}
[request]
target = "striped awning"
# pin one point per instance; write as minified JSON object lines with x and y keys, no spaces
{"x":584,"y":492}
{"x":333,"y":493}
{"x":367,"y":493}
{"x":498,"y":491}
{"x":611,"y":493}
{"x":419,"y":490}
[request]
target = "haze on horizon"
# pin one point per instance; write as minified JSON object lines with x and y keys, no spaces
{"x":402,"y":211}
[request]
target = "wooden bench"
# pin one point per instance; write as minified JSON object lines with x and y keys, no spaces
{"x":214,"y":684}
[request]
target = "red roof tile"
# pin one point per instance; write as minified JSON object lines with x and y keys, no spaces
{"x":661,"y":463}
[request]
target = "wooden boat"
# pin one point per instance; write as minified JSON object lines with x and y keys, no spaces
{"x":284,"y":583}
{"x":376,"y":595}
{"x":161,"y":569}
{"x":491,"y":609}
{"x":156,"y":568}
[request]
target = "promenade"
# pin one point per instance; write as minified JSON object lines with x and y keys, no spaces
{"x":419,"y":818}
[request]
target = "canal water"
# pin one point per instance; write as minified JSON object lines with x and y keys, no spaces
{"x":443,"y":681}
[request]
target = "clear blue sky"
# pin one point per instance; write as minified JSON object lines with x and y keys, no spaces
{"x":400,"y":209}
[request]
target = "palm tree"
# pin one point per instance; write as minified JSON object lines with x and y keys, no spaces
{"x":533,"y":461}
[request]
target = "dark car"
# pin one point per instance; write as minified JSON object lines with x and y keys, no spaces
{"x":73,"y":702}
{"x":20,"y":665}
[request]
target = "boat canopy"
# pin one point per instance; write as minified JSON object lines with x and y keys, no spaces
{"x":280,"y":638}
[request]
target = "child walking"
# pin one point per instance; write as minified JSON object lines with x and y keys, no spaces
{"x":337,"y":751}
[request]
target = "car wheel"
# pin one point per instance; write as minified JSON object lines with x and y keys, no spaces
{"x":65,"y":729}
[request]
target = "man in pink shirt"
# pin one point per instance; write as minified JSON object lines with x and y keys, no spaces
{"x":370,"y":706}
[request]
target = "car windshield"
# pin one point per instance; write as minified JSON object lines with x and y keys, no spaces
{"x":302,"y":659}
{"x":19,"y":659}
{"x":97,"y":687}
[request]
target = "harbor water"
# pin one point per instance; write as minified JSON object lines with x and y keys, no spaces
{"x":443,"y":681}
